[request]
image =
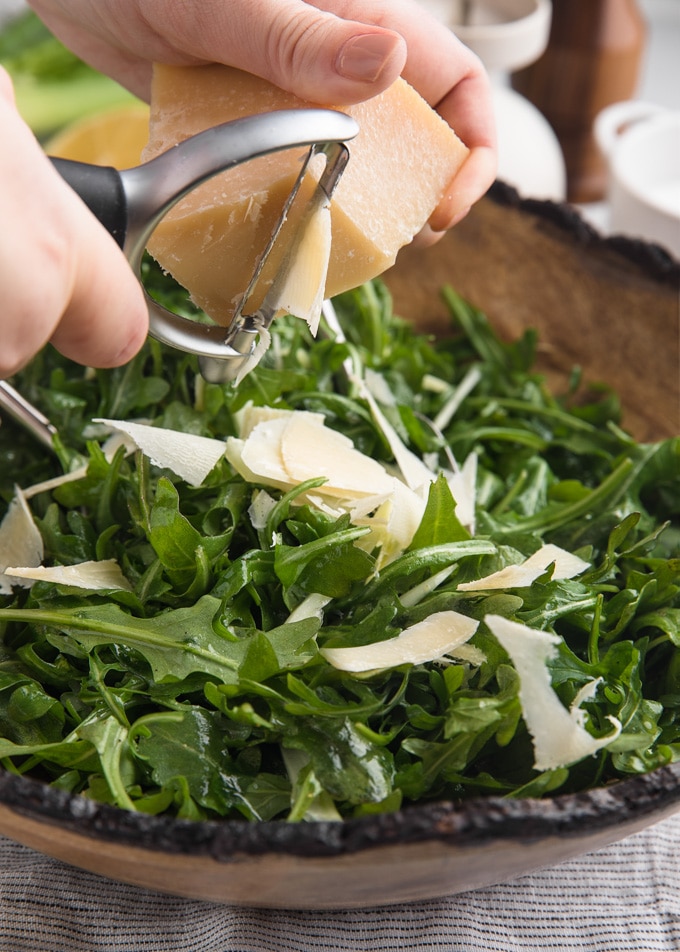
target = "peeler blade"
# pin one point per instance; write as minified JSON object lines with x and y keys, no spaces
{"x":248,"y":333}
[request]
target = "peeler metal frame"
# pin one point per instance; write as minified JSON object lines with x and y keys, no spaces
{"x":131,"y":203}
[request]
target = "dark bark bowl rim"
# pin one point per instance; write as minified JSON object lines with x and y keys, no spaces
{"x":634,"y":803}
{"x":652,"y":259}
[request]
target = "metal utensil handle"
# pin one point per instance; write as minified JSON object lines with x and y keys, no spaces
{"x":26,"y":414}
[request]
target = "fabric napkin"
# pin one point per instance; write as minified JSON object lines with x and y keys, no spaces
{"x":624,"y":898}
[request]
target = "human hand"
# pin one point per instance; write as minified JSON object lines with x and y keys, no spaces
{"x":64,"y":278}
{"x":334,"y":52}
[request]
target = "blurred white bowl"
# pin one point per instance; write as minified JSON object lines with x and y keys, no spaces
{"x":641,"y":142}
{"x":9,"y":9}
{"x":505,"y":34}
{"x":530,"y":157}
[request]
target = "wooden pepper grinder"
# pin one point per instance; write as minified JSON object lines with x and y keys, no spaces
{"x":593,"y":59}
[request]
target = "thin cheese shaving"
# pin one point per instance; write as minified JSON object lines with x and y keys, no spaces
{"x":20,"y":542}
{"x":416,"y":594}
{"x":264,"y":339}
{"x":463,"y":485}
{"x":468,"y":653}
{"x":283,"y":448}
{"x":188,"y":456}
{"x":292,"y":447}
{"x":558,"y":734}
{"x":415,"y":473}
{"x":306,"y":268}
{"x":260,"y":507}
{"x":525,"y":573}
{"x":428,"y":640}
{"x":309,"y":451}
{"x":393,"y":523}
{"x":464,"y":388}
{"x":94,"y":575}
{"x":310,"y":607}
{"x":250,"y":415}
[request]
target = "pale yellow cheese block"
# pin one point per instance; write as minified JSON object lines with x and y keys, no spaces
{"x":401,"y":164}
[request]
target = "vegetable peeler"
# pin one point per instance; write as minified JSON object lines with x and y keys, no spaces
{"x":131,"y":203}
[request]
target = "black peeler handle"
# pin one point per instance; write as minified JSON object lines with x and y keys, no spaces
{"x":101,"y":188}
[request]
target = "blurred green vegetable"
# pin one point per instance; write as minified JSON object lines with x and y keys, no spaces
{"x":52,"y":86}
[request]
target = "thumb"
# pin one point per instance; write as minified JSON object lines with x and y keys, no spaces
{"x":316,"y":55}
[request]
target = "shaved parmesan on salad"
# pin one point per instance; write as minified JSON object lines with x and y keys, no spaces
{"x":283,"y":448}
{"x":298,"y":615}
{"x":188,"y":456}
{"x":428,"y":640}
{"x":21,"y":542}
{"x":94,"y":575}
{"x":566,"y":565}
{"x":559,"y":735}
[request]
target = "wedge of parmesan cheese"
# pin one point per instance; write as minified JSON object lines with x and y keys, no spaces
{"x":559,"y":735}
{"x":428,"y":640}
{"x":402,"y":163}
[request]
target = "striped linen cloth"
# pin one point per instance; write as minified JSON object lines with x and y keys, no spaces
{"x":624,"y":898}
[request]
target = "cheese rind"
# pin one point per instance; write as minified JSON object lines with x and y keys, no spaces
{"x":401,"y":164}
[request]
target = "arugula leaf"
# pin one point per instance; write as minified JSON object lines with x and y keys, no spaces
{"x":439,"y":524}
{"x":188,"y":744}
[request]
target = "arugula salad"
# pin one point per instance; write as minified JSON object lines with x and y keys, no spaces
{"x":381,"y":570}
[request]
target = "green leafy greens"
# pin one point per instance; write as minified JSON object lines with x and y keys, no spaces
{"x":203,"y":691}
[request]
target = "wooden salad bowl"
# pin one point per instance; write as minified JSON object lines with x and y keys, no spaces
{"x":608,"y":306}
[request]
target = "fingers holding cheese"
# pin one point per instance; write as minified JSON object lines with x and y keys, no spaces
{"x":330,"y":51}
{"x":401,"y":165}
{"x":308,"y":50}
{"x":453,"y":81}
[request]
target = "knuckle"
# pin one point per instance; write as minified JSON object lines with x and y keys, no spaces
{"x":293,"y":41}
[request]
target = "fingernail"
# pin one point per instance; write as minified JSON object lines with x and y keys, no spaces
{"x":364,"y":57}
{"x":459,"y":216}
